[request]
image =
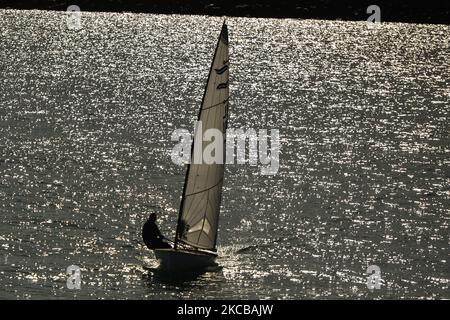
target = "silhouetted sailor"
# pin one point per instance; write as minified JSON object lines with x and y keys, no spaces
{"x":153,"y":238}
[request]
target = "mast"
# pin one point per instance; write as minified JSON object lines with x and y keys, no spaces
{"x":198,"y":219}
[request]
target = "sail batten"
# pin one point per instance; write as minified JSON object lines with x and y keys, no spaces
{"x":202,"y":192}
{"x":216,"y":105}
{"x":220,"y":181}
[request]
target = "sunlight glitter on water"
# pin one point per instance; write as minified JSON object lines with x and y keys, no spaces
{"x":85,"y":155}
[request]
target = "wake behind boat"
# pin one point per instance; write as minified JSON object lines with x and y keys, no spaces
{"x":196,"y":233}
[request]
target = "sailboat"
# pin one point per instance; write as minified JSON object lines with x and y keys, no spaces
{"x":196,"y":232}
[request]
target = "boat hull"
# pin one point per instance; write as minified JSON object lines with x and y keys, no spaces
{"x":171,"y":259}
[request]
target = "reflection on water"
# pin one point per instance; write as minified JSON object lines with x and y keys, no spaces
{"x":85,"y":128}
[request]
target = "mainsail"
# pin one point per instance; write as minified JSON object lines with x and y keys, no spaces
{"x":202,"y":193}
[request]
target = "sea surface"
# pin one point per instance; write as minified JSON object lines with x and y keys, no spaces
{"x":85,"y":139}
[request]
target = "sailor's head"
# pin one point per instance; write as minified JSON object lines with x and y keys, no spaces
{"x":152,"y":217}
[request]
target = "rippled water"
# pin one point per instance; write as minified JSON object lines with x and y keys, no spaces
{"x":85,"y":124}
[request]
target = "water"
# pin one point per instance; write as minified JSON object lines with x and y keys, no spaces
{"x":85,"y":123}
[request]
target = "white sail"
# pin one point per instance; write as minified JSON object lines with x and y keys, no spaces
{"x":200,"y":205}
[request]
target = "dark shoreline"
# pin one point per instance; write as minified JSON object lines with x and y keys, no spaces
{"x":435,"y":12}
